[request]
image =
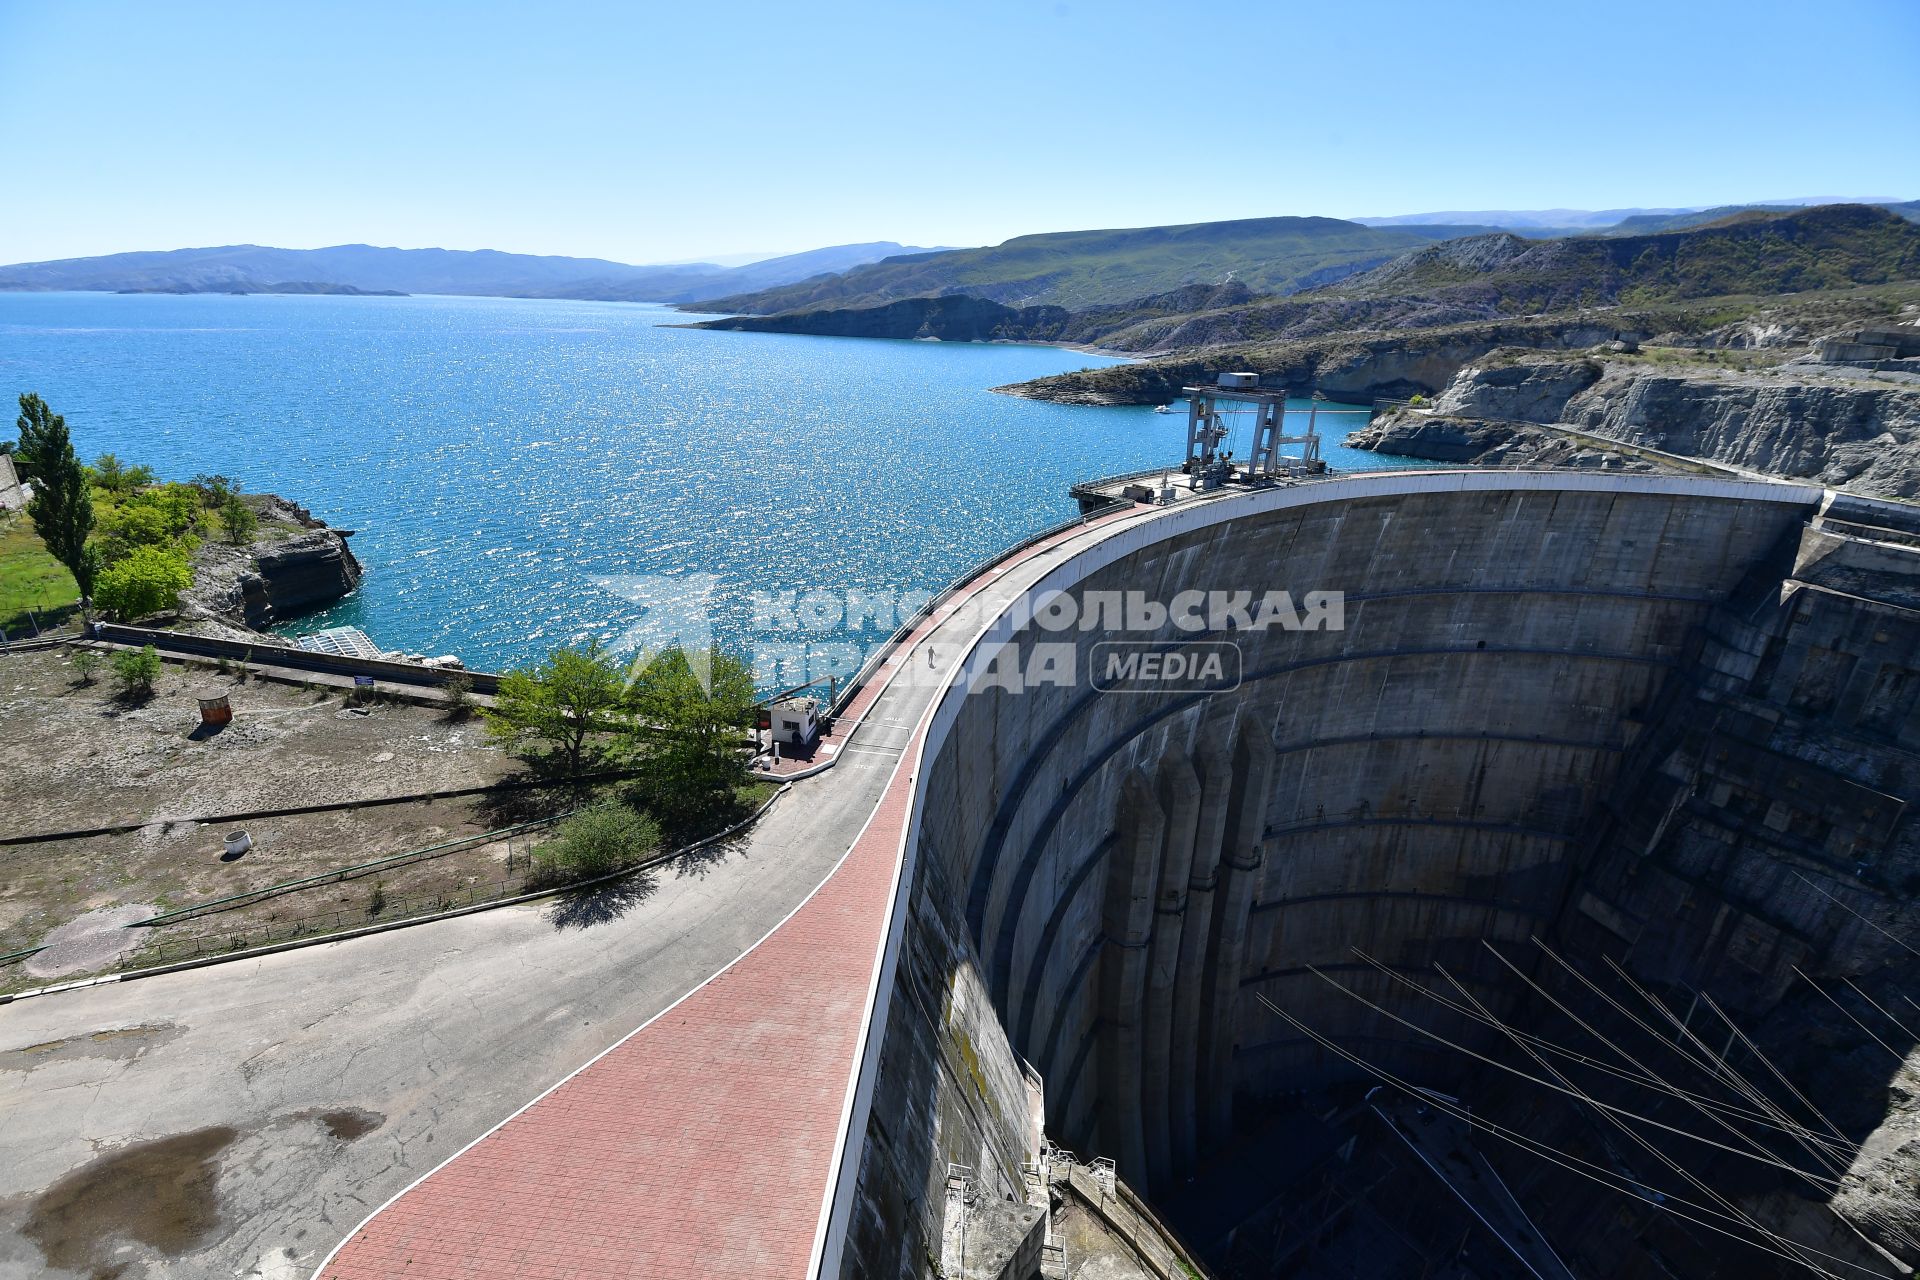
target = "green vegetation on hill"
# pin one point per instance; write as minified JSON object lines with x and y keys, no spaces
{"x":962,"y":318}
{"x":30,"y":578}
{"x":1461,"y":281}
{"x":1078,"y":269}
{"x":1752,"y":252}
{"x":132,"y":534}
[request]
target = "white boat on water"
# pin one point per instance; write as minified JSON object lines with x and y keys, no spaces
{"x":1163,"y":408}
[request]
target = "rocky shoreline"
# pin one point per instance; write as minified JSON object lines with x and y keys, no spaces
{"x":1353,"y":368}
{"x":294,"y":565}
{"x":1799,"y":421}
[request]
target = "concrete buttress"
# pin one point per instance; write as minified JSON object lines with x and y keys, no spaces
{"x":1241,"y":859}
{"x":1196,"y":933}
{"x":1180,"y":800}
{"x":1127,"y":919}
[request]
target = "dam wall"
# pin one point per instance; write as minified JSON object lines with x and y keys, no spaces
{"x":1756,"y":871}
{"x":1109,"y":886}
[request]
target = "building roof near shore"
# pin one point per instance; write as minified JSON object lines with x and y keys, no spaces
{"x":13,"y":496}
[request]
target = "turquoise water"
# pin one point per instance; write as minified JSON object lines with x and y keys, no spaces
{"x":500,"y":458}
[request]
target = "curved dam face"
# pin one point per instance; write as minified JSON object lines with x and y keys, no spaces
{"x":1108,"y":886}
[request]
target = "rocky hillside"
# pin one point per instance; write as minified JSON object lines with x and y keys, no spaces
{"x":1830,"y":247}
{"x":1420,"y":359}
{"x":962,"y":318}
{"x":1793,"y":420}
{"x":1354,"y":367}
{"x":295,"y":564}
{"x":1495,"y":277}
{"x":1483,"y":277}
{"x":949,"y":319}
{"x":1079,"y":269}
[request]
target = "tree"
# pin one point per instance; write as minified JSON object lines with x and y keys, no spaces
{"x":86,"y":663}
{"x":160,"y":516}
{"x":117,"y":477}
{"x":34,"y":424}
{"x":134,"y":524}
{"x":147,"y":580}
{"x":109,"y":474}
{"x":62,"y":505}
{"x":137,"y":670}
{"x":689,"y":731}
{"x":213,"y":489}
{"x":241,"y":523}
{"x":561,"y":701}
{"x":598,"y":840}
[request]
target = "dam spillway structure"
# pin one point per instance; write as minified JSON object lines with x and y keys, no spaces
{"x":1213,"y":412}
{"x":1578,"y":739}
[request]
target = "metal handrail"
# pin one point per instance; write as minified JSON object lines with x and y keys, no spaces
{"x":887,"y":647}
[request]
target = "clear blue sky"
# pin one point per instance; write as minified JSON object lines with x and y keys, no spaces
{"x":671,"y":131}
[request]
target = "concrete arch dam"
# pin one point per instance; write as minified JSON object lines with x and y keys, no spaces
{"x":1670,"y":724}
{"x":1103,"y":886}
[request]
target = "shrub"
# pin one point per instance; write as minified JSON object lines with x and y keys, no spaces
{"x":137,"y":669}
{"x":456,"y":695}
{"x":86,"y":664}
{"x":148,"y":580}
{"x":598,"y":840}
{"x":134,"y":525}
{"x":377,"y":899}
{"x":241,"y":523}
{"x":152,"y":517}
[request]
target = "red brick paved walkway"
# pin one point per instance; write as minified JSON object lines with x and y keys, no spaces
{"x":701,"y":1145}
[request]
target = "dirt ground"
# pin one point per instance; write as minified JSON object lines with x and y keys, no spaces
{"x":75,"y":756}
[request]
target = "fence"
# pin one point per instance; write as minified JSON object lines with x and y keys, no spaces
{"x":390,"y":862}
{"x":959,"y":581}
{"x":15,"y":632}
{"x":291,"y":656}
{"x":319,"y":923}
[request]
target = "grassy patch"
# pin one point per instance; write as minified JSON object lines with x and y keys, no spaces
{"x":1707,"y":360}
{"x":752,"y":795}
{"x":30,"y":578}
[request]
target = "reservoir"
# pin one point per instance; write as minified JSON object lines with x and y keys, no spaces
{"x":511,"y":467}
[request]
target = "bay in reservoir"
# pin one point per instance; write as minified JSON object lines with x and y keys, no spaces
{"x":527,"y":473}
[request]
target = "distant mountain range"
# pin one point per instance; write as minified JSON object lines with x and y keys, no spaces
{"x":1617,"y":221}
{"x":258,"y":269}
{"x":1491,"y":276}
{"x":1087,"y":270}
{"x":1749,"y":252}
{"x":1077,"y":269}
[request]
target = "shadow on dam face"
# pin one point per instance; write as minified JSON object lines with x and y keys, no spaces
{"x":1562,"y":755}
